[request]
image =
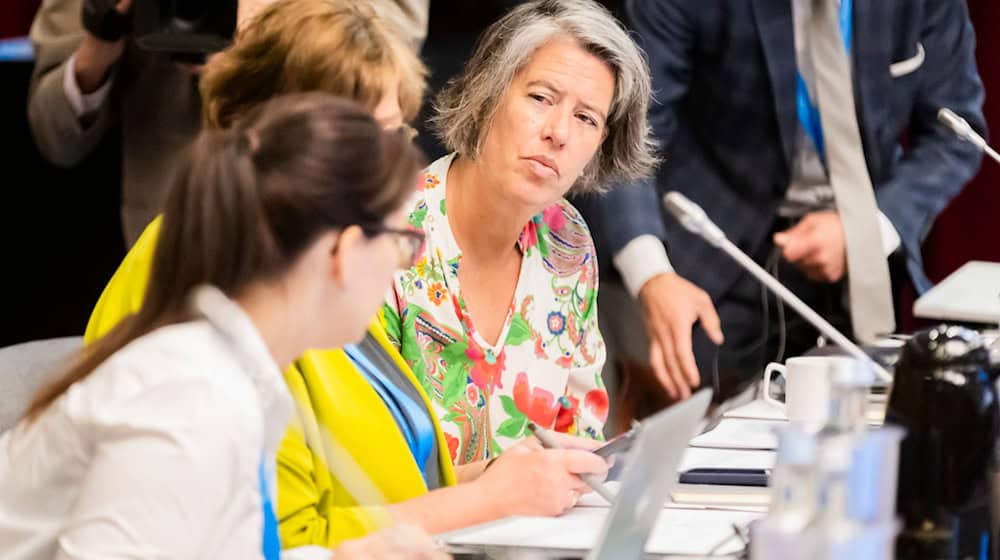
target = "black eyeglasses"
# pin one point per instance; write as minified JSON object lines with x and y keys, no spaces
{"x":408,"y":241}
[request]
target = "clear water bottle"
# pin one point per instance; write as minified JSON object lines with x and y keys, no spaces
{"x":793,"y":493}
{"x":850,"y":381}
{"x":793,"y":481}
{"x":831,"y":532}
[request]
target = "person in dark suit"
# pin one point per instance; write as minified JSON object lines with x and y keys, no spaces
{"x":807,"y":131}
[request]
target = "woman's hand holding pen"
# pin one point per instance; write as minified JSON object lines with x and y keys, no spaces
{"x":530,"y":480}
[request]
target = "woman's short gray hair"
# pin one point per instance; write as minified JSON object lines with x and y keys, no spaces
{"x":466,"y":106}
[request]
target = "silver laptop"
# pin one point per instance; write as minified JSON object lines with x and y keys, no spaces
{"x":650,"y":474}
{"x":970,"y":294}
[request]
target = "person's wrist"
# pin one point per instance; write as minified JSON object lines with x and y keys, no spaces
{"x":495,"y":503}
{"x":652,"y":282}
{"x":94,"y":59}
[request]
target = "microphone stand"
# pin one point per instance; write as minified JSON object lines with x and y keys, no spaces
{"x":694,"y":219}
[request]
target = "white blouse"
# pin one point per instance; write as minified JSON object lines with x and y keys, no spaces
{"x":156,"y":454}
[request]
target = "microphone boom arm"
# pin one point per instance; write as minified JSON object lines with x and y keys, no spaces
{"x":694,"y":219}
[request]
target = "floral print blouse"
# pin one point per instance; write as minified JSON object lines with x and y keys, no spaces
{"x":546,"y":365}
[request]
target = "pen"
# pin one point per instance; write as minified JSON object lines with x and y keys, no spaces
{"x":550,"y":443}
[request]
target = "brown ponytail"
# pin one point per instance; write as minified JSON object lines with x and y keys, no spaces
{"x":248,"y":201}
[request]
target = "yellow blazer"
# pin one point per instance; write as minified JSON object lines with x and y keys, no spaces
{"x":343,"y":458}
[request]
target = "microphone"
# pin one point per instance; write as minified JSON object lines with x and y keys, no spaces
{"x":694,"y":219}
{"x":964,"y":130}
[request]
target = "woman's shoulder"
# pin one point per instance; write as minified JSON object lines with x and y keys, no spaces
{"x":561,"y":236}
{"x":428,"y":199}
{"x":574,"y":223}
{"x":174,"y":368}
{"x":436,"y":173}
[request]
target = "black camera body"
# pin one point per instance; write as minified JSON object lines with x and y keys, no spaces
{"x":187,"y":30}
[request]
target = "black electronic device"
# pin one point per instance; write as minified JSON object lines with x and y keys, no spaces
{"x":187,"y":30}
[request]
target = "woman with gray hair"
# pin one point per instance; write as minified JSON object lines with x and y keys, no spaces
{"x":498,"y":317}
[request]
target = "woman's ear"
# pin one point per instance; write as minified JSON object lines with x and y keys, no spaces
{"x":343,"y":250}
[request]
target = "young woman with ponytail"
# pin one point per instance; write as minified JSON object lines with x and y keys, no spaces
{"x":159,"y":440}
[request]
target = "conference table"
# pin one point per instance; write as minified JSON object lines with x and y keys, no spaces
{"x":703,"y":521}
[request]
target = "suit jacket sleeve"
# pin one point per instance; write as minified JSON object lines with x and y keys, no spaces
{"x":938,"y":163}
{"x":665,"y":32}
{"x":62,"y":137}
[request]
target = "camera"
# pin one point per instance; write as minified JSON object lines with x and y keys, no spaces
{"x":187,"y":30}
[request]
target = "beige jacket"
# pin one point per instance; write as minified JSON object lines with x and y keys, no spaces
{"x":155,"y":101}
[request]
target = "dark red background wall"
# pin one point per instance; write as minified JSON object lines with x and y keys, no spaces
{"x":15,"y":17}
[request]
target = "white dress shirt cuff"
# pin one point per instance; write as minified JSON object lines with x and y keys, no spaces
{"x":890,"y":237}
{"x":83,"y":103}
{"x":641,"y":259}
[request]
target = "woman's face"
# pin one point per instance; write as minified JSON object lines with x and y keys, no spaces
{"x":549,"y":124}
{"x":376,"y":259}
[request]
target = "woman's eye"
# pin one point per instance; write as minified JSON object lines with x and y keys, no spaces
{"x":539,"y":97}
{"x":586,"y":118}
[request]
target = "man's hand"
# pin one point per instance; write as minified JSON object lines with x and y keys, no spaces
{"x":671,"y":306}
{"x":816,"y":246}
{"x":106,"y":23}
{"x":107,"y":20}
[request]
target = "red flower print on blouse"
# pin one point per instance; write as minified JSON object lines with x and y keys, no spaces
{"x":566,"y":419}
{"x":486,"y":369}
{"x":565,"y":361}
{"x":452,"y":442}
{"x":540,"y":348}
{"x":597,"y":401}
{"x":554,"y":218}
{"x":529,"y":237}
{"x":537,"y":404}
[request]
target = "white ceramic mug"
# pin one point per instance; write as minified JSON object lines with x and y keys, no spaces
{"x":807,"y":387}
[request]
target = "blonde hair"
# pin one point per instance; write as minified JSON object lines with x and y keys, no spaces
{"x":465,"y":108}
{"x":341,"y":47}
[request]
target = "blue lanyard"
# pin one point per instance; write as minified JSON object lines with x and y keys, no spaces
{"x":271,"y":546}
{"x":413,"y":419}
{"x":807,"y":109}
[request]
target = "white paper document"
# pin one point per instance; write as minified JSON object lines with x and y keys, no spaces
{"x":694,"y":532}
{"x":737,"y":433}
{"x":707,"y":458}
